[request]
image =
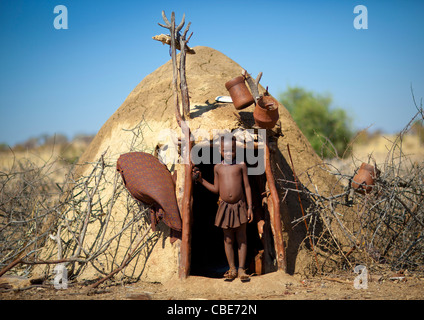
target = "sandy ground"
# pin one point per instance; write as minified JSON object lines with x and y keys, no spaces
{"x":272,"y":286}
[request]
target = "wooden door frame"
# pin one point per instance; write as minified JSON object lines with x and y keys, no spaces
{"x":187,"y":216}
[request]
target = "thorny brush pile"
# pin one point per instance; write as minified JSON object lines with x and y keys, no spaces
{"x":381,"y":229}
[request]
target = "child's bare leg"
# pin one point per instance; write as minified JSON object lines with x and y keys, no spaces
{"x":242,"y":249}
{"x":229,"y":238}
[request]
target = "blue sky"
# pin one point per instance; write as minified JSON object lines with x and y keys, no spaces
{"x":71,"y":81}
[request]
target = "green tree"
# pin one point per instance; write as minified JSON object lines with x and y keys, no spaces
{"x":328,"y":129}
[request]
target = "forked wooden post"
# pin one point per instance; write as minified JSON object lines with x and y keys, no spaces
{"x":185,"y":204}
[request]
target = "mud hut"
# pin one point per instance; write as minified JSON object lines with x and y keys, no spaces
{"x":141,"y":124}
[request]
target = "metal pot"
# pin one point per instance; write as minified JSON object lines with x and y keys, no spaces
{"x":240,"y":94}
{"x":266,"y":112}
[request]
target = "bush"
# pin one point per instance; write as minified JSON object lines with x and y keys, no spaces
{"x":327,"y":129}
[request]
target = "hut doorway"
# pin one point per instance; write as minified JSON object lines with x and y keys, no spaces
{"x":207,"y":242}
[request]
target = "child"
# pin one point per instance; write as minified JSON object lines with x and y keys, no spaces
{"x":232,"y":184}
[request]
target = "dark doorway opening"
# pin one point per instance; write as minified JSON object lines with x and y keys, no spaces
{"x":207,"y":243}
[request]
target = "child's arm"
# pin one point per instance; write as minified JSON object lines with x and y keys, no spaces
{"x":248,"y":192}
{"x":211,"y":187}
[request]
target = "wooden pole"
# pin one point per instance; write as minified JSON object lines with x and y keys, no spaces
{"x":187,"y":217}
{"x":187,"y":214}
{"x":274,"y":211}
{"x":185,"y":204}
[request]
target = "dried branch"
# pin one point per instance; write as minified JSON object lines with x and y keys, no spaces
{"x":253,"y":84}
{"x":383,"y":227}
{"x":67,"y":216}
{"x":166,"y":39}
{"x":124,"y":263}
{"x":183,"y":81}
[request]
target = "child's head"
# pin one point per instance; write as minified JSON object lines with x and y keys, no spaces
{"x":228,"y":147}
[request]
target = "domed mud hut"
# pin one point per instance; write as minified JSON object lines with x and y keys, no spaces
{"x":108,"y":232}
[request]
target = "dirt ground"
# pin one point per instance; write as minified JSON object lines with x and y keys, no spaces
{"x":272,"y":286}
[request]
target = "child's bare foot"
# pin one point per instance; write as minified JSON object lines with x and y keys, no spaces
{"x":243,"y":275}
{"x":230,"y":274}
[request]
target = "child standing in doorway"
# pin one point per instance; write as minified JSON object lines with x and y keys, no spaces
{"x":235,"y":204}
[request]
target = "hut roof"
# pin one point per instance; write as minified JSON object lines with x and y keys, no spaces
{"x":151,"y":101}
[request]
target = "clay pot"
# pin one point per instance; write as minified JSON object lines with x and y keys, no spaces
{"x":364,"y":179}
{"x":240,"y":94}
{"x":266,"y":112}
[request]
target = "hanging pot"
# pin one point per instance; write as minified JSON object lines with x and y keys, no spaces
{"x":364,"y":179}
{"x":240,"y":94}
{"x":266,"y":112}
